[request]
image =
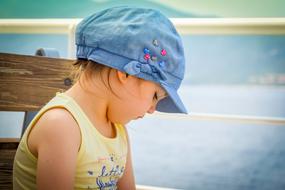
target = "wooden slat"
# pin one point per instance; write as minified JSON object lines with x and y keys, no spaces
{"x":9,"y":140}
{"x":28,"y":82}
{"x":8,"y":148}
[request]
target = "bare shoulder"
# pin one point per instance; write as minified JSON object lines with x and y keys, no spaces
{"x":55,"y":126}
{"x":57,"y":116}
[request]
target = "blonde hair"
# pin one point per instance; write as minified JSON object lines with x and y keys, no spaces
{"x":90,"y":68}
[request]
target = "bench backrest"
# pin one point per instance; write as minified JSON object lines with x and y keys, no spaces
{"x":26,"y":84}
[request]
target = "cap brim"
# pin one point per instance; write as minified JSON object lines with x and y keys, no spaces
{"x":172,"y":103}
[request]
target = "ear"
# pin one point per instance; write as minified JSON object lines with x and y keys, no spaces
{"x":122,"y":77}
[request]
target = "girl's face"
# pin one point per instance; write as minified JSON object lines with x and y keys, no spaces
{"x":136,"y":97}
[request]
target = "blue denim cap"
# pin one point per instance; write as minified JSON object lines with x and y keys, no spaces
{"x":138,"y":41}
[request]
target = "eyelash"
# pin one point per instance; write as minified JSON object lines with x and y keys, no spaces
{"x":155,"y":96}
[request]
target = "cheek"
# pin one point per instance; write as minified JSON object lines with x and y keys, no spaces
{"x":124,"y":111}
{"x":137,"y":106}
{"x":139,"y":98}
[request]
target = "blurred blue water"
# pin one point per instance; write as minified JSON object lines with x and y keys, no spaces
{"x":235,"y":99}
{"x":213,"y":155}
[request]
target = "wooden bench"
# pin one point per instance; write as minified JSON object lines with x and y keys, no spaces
{"x":26,"y":84}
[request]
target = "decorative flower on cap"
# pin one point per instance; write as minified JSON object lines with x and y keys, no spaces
{"x":153,"y":58}
{"x":161,"y":63}
{"x":146,"y":56}
{"x":155,"y":42}
{"x":163,"y":52}
{"x":146,"y":51}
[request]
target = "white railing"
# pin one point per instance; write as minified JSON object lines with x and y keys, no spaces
{"x":143,"y":187}
{"x":193,"y":26}
{"x":232,"y":26}
{"x":224,"y":118}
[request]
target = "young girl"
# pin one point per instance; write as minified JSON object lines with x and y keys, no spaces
{"x":130,"y":62}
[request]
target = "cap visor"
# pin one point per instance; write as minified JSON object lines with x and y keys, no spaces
{"x":172,"y":103}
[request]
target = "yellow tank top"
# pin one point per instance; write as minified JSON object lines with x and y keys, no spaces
{"x":100,"y":161}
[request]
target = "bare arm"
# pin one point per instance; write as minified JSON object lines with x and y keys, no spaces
{"x":56,"y":140}
{"x":128,"y":179}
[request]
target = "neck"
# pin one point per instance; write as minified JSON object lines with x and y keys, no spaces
{"x":93,"y":99}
